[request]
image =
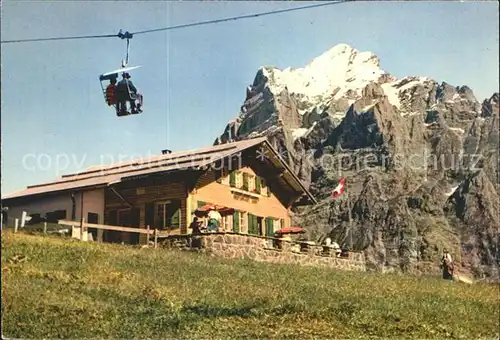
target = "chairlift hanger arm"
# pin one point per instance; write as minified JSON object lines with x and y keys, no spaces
{"x":125,"y":35}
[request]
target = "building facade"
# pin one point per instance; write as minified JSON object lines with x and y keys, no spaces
{"x":163,"y":192}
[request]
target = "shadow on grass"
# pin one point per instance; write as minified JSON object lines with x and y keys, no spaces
{"x":206,"y":311}
{"x":252,"y":310}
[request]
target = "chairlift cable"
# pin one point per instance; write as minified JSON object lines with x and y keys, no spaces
{"x":60,"y":38}
{"x":128,"y":35}
{"x":248,"y":16}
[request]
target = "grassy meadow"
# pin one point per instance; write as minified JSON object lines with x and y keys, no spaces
{"x":54,"y":287}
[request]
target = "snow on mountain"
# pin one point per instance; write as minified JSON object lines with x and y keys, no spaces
{"x":340,"y":71}
{"x":340,"y":74}
{"x":399,"y":89}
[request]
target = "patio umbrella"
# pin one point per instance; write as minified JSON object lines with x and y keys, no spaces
{"x":203,"y":210}
{"x":291,"y":230}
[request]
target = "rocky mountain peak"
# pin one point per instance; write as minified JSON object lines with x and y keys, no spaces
{"x":420,"y":157}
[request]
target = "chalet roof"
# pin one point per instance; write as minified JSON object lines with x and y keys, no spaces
{"x":103,"y":175}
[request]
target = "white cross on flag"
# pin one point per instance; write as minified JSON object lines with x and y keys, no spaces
{"x":339,"y":190}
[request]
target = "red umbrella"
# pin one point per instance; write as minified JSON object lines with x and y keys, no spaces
{"x":203,"y":210}
{"x":291,"y":230}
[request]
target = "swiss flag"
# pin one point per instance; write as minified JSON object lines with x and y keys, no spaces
{"x":339,"y":190}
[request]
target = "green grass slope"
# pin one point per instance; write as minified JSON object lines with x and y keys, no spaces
{"x":59,"y":288}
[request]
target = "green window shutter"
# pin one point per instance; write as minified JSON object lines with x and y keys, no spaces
{"x":232,"y":179}
{"x":236,"y":222}
{"x":253,"y":225}
{"x":262,"y":182}
{"x":245,"y":181}
{"x":282,"y":223}
{"x":257,"y":184}
{"x":250,"y":223}
{"x":269,"y":226}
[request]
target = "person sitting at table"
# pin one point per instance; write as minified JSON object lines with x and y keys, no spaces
{"x":214,"y":219}
{"x":195,"y":225}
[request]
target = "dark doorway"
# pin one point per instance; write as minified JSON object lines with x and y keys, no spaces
{"x":168,"y":215}
{"x":149,"y":215}
{"x":129,"y":218}
{"x":111,"y":236}
{"x":93,"y":218}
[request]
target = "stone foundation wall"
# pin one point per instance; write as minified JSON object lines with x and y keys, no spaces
{"x":264,"y":249}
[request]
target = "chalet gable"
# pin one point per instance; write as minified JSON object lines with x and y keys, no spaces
{"x":257,"y":170}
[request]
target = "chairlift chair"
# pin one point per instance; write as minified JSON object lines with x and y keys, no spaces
{"x":114,"y":75}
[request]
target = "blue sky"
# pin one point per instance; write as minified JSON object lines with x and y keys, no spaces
{"x":194,"y":79}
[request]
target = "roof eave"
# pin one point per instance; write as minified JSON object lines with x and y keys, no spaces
{"x":45,"y":193}
{"x":292,"y":174}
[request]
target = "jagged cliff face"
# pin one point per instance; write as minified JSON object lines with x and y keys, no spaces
{"x":420,"y":157}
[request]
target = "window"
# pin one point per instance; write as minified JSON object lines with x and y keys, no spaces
{"x":251,"y":183}
{"x":243,"y":225}
{"x":168,"y":215}
{"x":35,"y":219}
{"x":238,"y":179}
{"x":92,"y":218}
{"x":227,"y":223}
{"x":54,"y":216}
{"x":276,"y":224}
{"x":245,"y":181}
{"x":258,"y":186}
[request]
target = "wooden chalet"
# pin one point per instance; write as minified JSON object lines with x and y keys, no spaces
{"x":248,"y":177}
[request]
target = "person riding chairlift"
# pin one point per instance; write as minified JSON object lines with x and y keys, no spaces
{"x":126,"y":91}
{"x":111,"y":92}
